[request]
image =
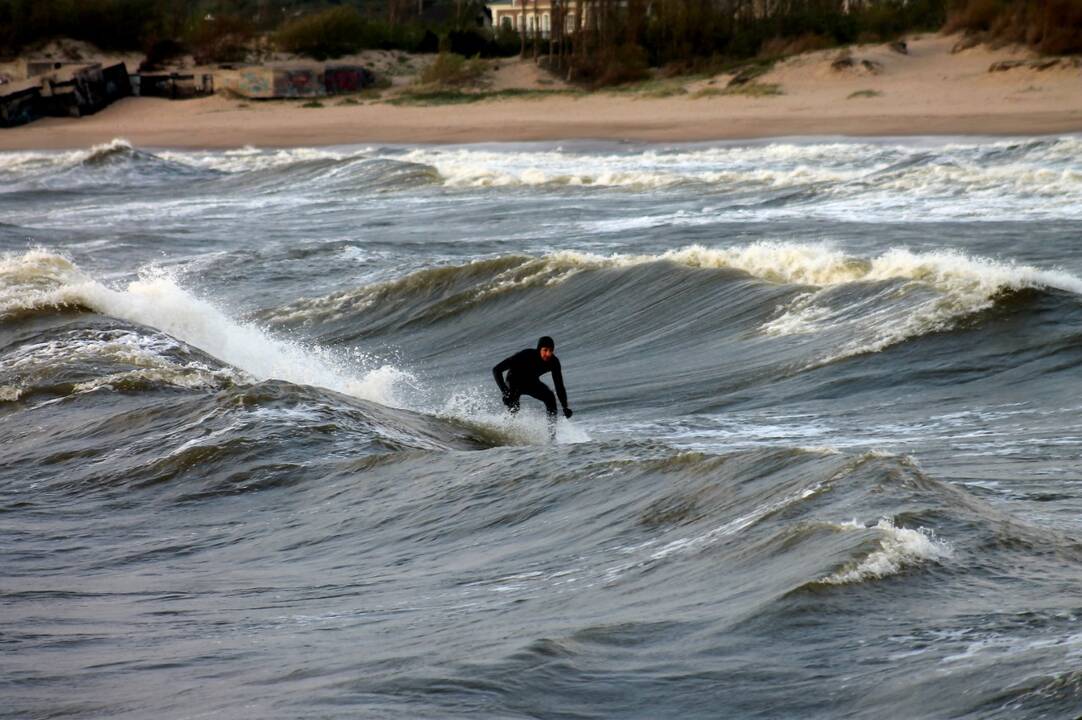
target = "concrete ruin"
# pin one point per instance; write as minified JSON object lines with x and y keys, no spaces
{"x":339,"y":79}
{"x":18,"y":107}
{"x":173,"y":85}
{"x":56,"y":89}
{"x":62,"y":90}
{"x":268,"y":82}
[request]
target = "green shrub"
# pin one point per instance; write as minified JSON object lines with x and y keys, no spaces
{"x":328,"y":34}
{"x":449,"y":70}
{"x":223,"y":39}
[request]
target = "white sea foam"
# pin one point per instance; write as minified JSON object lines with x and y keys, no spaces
{"x":954,"y":286}
{"x":854,"y":180}
{"x":187,"y":376}
{"x":913,"y":180}
{"x":475,"y":406}
{"x":251,"y":159}
{"x":940,"y":288}
{"x":155,"y":359}
{"x":531,"y":272}
{"x":899,"y":548}
{"x":821,"y":265}
{"x":117,"y":346}
{"x":241,"y":160}
{"x":16,"y":166}
{"x":716,"y":166}
{"x":13,"y":161}
{"x":932,"y":290}
{"x":43,"y":279}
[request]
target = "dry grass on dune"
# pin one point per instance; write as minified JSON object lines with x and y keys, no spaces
{"x":1052,"y":27}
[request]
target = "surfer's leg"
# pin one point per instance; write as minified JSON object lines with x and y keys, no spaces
{"x":540,"y":391}
{"x":513,"y":400}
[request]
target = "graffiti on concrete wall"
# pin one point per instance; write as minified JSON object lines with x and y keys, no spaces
{"x":346,"y":79}
{"x":294,"y":82}
{"x":256,"y":83}
{"x":303,"y":82}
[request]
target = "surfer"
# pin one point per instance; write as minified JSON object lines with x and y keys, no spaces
{"x":524,"y":370}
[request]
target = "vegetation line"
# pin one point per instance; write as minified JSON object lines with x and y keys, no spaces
{"x":592,"y":43}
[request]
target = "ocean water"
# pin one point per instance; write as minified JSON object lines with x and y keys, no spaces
{"x":826,"y":458}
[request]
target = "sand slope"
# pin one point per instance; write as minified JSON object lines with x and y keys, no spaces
{"x":928,"y":91}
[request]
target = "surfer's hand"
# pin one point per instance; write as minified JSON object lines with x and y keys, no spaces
{"x":508,"y":400}
{"x":568,"y":413}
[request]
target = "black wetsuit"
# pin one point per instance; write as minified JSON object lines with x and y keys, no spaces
{"x":524,"y":370}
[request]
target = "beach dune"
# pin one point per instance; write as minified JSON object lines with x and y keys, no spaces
{"x":928,"y":90}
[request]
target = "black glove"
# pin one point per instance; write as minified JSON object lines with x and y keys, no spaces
{"x":568,"y":413}
{"x":508,"y":400}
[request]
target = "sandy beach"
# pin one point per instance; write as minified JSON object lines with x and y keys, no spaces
{"x":929,"y":91}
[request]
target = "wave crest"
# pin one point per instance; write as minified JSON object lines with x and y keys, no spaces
{"x":907,"y":294}
{"x":105,"y":152}
{"x":899,"y":548}
{"x":868,"y":304}
{"x":40,"y":280}
{"x":81,"y":361}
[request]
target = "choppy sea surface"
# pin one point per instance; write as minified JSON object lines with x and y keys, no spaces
{"x":826,"y":458}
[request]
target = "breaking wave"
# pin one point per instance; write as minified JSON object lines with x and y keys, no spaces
{"x":875,"y":302}
{"x":44,"y":280}
{"x":899,"y":548}
{"x":856,"y":180}
{"x":730,"y":519}
{"x":85,"y":360}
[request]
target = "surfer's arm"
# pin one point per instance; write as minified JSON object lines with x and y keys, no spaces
{"x":499,"y":370}
{"x":558,"y":382}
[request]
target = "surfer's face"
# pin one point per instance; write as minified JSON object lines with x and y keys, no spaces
{"x":546,"y":354}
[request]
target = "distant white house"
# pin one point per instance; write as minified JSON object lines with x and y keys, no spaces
{"x":529,"y":17}
{"x":526,"y":16}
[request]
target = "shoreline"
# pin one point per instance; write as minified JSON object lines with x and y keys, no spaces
{"x":931,"y":90}
{"x":203,"y":124}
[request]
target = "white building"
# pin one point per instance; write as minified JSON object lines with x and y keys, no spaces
{"x":530,"y":17}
